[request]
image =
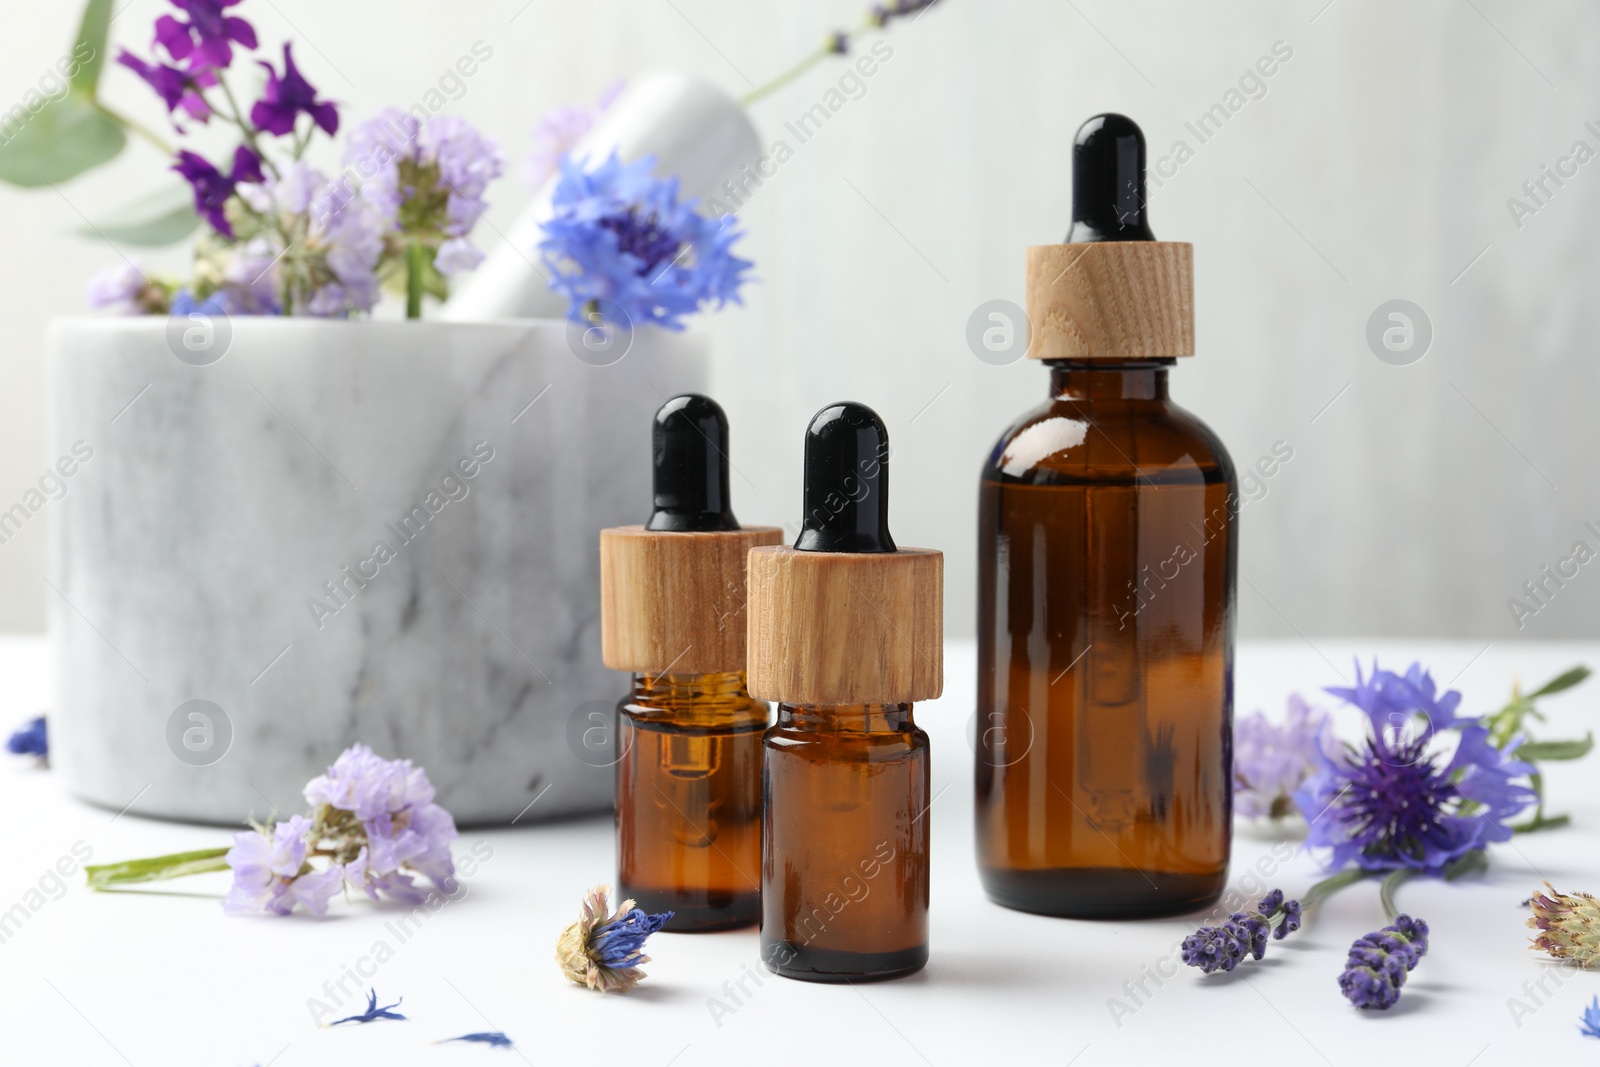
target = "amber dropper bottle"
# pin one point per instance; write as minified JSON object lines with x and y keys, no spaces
{"x":845,"y":631}
{"x":1107,"y":541}
{"x":689,"y":735}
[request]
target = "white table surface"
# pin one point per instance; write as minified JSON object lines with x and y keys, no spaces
{"x":165,"y":978}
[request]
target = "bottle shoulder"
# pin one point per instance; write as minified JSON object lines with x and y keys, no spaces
{"x":1151,"y":442}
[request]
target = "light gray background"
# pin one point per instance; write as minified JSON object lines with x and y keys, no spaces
{"x":1377,"y":166}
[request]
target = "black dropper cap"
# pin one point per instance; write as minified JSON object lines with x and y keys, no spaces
{"x":690,"y":451}
{"x":1108,"y":201}
{"x":847,"y":482}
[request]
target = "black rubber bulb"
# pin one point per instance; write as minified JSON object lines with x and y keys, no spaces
{"x":1108,"y":201}
{"x":690,"y":450}
{"x":847,"y":482}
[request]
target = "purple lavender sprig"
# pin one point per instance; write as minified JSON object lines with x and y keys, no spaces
{"x":839,"y":42}
{"x":1379,"y":962}
{"x":1224,"y":947}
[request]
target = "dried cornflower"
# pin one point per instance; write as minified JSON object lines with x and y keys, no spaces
{"x":1568,"y":925}
{"x":1589,"y":1023}
{"x":373,"y":1012}
{"x":605,"y":952}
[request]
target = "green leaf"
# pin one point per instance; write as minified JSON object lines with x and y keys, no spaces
{"x":1541,"y":750}
{"x":157,"y":868}
{"x":60,"y":140}
{"x":161,"y":218}
{"x":89,"y":51}
{"x":1562,"y":681}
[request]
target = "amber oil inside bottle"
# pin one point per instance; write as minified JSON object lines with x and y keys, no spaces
{"x":688,"y":798}
{"x":1107,"y":544}
{"x":845,"y":858}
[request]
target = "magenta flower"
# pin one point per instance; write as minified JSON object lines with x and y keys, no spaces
{"x":206,"y":40}
{"x":286,"y":97}
{"x":212,"y":188}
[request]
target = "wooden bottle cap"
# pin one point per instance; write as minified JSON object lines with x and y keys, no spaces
{"x":1111,"y":300}
{"x":675,"y":602}
{"x":846,"y":627}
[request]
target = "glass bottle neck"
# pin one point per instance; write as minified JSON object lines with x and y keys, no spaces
{"x":845,"y":718}
{"x":695,"y":688}
{"x":1106,"y":379}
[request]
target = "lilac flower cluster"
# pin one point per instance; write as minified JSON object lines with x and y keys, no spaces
{"x":1272,"y":761}
{"x":620,"y":241}
{"x":375,"y":823}
{"x":1379,"y":962}
{"x":1395,"y":800}
{"x":427,"y":179}
{"x":294,"y":241}
{"x":1222,"y":948}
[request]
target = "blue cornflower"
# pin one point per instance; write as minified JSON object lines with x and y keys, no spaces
{"x":1214,"y":948}
{"x":620,"y":241}
{"x":493,"y":1038}
{"x":373,"y":1011}
{"x":31,"y":739}
{"x":602,"y":951}
{"x":1379,"y":962}
{"x":1589,"y":1025}
{"x":1395,"y":800}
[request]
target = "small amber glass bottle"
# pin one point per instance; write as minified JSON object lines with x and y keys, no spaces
{"x":845,"y":631}
{"x":1107,"y":543}
{"x":689,"y":735}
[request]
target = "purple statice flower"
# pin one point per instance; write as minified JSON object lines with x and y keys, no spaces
{"x":32,"y":738}
{"x":1224,"y":947}
{"x":207,"y":38}
{"x":1270,"y":761}
{"x":125,"y":288}
{"x":286,"y":97}
{"x":1379,"y":962}
{"x":176,"y":88}
{"x":558,"y":132}
{"x":1396,"y":799}
{"x":270,"y":872}
{"x":619,"y":235}
{"x":249,"y":283}
{"x":391,"y":818}
{"x":605,"y":952}
{"x":428,"y":178}
{"x":336,"y":238}
{"x":1589,"y":1024}
{"x":373,"y":1012}
{"x":212,"y":188}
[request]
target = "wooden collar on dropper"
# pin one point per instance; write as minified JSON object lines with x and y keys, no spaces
{"x":1112,"y":291}
{"x":845,"y":617}
{"x":672,"y":592}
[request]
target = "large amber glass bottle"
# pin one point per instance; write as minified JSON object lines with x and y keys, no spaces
{"x":689,"y":799}
{"x":1107,"y":542}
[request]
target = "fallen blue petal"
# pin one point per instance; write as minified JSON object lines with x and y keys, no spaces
{"x":1589,"y":1026}
{"x":32,"y":739}
{"x":373,"y":1011}
{"x":494,"y":1040}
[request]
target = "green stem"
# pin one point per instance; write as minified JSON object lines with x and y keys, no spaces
{"x":1332,"y":884}
{"x":822,"y":53}
{"x":157,"y":868}
{"x":1394,"y":880}
{"x":249,"y":131}
{"x":137,"y":127}
{"x":416,"y":266}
